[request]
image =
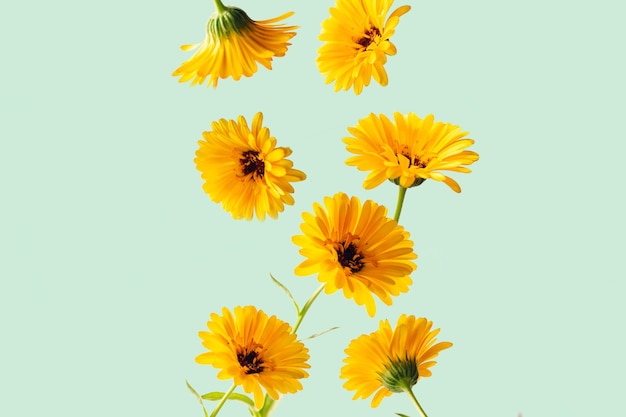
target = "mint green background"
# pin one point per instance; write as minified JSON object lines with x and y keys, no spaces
{"x":112,"y":257}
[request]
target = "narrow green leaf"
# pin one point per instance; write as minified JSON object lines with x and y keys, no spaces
{"x":402,"y":415}
{"x":287,"y":292}
{"x":198,"y":397}
{"x":321,"y":333}
{"x":216,"y":396}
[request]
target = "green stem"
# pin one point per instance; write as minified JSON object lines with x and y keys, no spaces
{"x":409,"y":391}
{"x":268,"y":406}
{"x":223,"y":400}
{"x":219,"y":6}
{"x":401,"y":193}
{"x":306,"y":307}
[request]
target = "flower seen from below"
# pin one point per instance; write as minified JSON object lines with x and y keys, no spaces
{"x":408,"y":150}
{"x":256,"y":351}
{"x":356,"y":40}
{"x":356,"y":248}
{"x":391,"y":360}
{"x":234,"y":45}
{"x":243,"y":169}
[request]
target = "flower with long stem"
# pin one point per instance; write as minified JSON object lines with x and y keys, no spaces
{"x":233,"y":46}
{"x":392,"y":360}
{"x":408,"y":150}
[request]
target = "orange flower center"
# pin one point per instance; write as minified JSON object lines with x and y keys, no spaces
{"x":251,"y":164}
{"x":250,"y":359}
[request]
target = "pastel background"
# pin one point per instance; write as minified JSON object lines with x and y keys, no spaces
{"x":112,"y":257}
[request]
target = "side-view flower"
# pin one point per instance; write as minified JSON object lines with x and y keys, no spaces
{"x":256,"y":351}
{"x":408,"y":150}
{"x":356,"y":248}
{"x":243,"y":169}
{"x":356,"y":40}
{"x":233,"y":46}
{"x":391,"y":360}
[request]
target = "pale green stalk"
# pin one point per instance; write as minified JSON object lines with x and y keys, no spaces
{"x":223,"y":400}
{"x":401,"y":193}
{"x":306,"y":307}
{"x":268,"y":406}
{"x":417,"y":403}
{"x":219,"y":6}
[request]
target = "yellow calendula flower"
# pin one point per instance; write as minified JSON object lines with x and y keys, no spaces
{"x":408,"y":150}
{"x":356,"y":248}
{"x":256,"y":351}
{"x":233,"y":46}
{"x":243,"y":169}
{"x":391,"y":360}
{"x":356,"y":40}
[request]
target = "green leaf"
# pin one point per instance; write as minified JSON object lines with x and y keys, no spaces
{"x":402,"y":415}
{"x":288,"y":293}
{"x":216,"y":396}
{"x":321,"y":333}
{"x":199,"y":398}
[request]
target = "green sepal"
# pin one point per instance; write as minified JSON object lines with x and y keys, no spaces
{"x":400,"y":374}
{"x":222,"y":24}
{"x":416,"y":182}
